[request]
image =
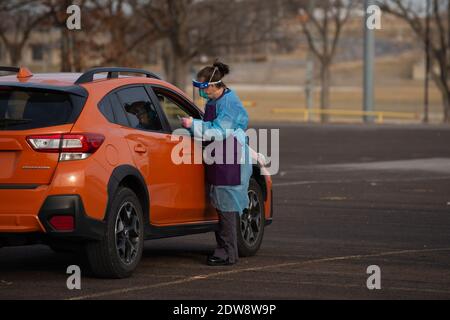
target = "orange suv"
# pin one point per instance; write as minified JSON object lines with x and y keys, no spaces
{"x":85,"y":162}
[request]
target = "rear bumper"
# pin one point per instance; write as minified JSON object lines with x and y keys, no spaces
{"x":19,"y":207}
{"x":85,"y":228}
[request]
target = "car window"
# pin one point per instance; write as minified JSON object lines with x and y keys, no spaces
{"x":24,"y":109}
{"x":140,"y":111}
{"x":105,"y":108}
{"x":173,"y":110}
{"x":119,"y":114}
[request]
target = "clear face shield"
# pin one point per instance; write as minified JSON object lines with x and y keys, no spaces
{"x":203,"y":85}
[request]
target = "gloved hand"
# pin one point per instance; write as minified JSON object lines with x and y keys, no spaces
{"x":259,"y":158}
{"x":262,"y":160}
{"x":187,"y":122}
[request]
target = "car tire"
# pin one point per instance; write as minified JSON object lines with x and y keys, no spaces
{"x":250,"y":226}
{"x":119,"y":252}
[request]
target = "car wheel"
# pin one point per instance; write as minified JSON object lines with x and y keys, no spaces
{"x":119,"y":252}
{"x":251,"y":223}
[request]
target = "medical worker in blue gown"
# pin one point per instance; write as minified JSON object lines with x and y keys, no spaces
{"x":224,"y":123}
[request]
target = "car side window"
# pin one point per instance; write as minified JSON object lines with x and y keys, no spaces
{"x":174,"y":110}
{"x":139,"y":109}
{"x":119,"y":114}
{"x":106,"y":109}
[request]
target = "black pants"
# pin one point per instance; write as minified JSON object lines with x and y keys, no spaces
{"x":226,"y":237}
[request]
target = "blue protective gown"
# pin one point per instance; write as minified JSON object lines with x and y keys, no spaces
{"x":231,"y":115}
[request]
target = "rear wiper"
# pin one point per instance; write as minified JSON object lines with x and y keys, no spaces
{"x":11,"y":122}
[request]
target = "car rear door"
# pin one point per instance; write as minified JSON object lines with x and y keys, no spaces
{"x":31,"y":123}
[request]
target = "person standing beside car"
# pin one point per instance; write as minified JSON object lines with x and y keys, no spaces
{"x":225,"y":122}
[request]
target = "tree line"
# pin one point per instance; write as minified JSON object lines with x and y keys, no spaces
{"x":123,"y":32}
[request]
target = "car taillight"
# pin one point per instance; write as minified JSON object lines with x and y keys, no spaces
{"x":70,"y":146}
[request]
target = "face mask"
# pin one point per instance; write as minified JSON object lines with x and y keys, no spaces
{"x":203,"y":94}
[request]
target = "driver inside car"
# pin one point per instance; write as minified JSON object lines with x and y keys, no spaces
{"x":148,"y":119}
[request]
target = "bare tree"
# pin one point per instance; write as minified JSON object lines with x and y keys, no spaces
{"x":18,"y":19}
{"x":57,"y":13}
{"x":250,"y":27}
{"x":173,"y":20}
{"x":196,"y":27}
{"x":118,"y":29}
{"x":414,"y":14}
{"x":322,"y":23}
{"x":111,"y":33}
{"x":121,"y":32}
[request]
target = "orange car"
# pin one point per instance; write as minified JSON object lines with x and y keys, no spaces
{"x":85,"y":162}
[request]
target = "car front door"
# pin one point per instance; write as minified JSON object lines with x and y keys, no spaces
{"x":194,"y":193}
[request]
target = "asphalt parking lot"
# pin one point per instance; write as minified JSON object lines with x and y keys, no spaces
{"x":347,"y":197}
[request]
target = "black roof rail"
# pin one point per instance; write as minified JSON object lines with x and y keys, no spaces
{"x":10,"y":69}
{"x":113,"y":73}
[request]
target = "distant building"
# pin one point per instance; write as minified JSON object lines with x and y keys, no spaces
{"x":41,"y":52}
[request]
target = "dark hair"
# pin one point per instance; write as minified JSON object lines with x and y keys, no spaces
{"x":221,"y":70}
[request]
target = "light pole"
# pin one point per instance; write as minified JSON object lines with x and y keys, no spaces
{"x":309,"y":86}
{"x":426,"y":118}
{"x":369,"y":57}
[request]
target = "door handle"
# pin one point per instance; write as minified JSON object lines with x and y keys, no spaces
{"x":140,"y":148}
